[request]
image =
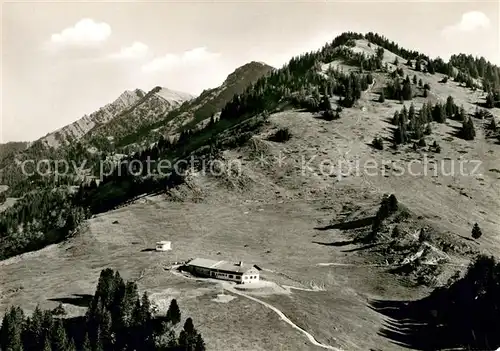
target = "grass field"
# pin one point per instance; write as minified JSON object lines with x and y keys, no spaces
{"x":269,"y":215}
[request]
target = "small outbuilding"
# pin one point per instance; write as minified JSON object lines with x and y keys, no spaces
{"x":163,"y":246}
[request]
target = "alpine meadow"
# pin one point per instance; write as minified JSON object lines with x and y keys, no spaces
{"x":348,"y":199}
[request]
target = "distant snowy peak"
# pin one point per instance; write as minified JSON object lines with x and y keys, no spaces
{"x":173,"y":96}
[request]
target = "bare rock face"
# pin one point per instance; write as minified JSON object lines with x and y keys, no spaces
{"x":160,"y":100}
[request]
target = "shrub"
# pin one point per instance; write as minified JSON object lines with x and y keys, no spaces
{"x":427,"y":86}
{"x":402,"y":215}
{"x":59,"y":310}
{"x":424,"y":235}
{"x":329,"y":115}
{"x":476,"y":231}
{"x":493,"y":124}
{"x":396,"y":232}
{"x":378,"y":143}
{"x":422,"y":143}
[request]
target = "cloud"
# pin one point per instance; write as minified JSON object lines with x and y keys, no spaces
{"x":84,"y":32}
{"x":469,"y":22}
{"x":187,"y":58}
{"x":135,"y":51}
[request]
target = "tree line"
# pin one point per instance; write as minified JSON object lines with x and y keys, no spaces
{"x":413,"y":125}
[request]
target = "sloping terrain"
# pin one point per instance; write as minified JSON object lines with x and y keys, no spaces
{"x":296,"y":207}
{"x":79,"y":128}
{"x":151,"y":108}
{"x":200,"y":109}
{"x":9,"y":149}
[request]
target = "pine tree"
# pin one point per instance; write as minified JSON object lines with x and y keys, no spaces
{"x":46,"y":345}
{"x":174,"y":313}
{"x":34,"y":334}
{"x":439,"y":113}
{"x":200,"y":343}
{"x":450,"y":107}
{"x":415,"y":81}
{"x":59,"y":337}
{"x":11,"y":330}
{"x":188,"y":335}
{"x":490,"y":103}
{"x":418,"y":65}
{"x":396,"y":118}
{"x":493,"y":124}
{"x":407,"y":93}
{"x":399,"y":135}
{"x":476,"y":231}
{"x":420,"y":83}
{"x":392,"y":204}
{"x":71,"y":345}
{"x":468,"y":131}
{"x":86,"y":346}
{"x":325,"y":104}
{"x":430,"y":67}
{"x":428,"y":129}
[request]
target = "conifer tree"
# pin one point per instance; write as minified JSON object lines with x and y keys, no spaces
{"x":59,"y":337}
{"x":490,"y":100}
{"x":418,"y":65}
{"x":468,"y":131}
{"x":174,"y":313}
{"x":493,"y":124}
{"x":86,"y":346}
{"x":46,"y":344}
{"x":450,"y":107}
{"x":11,"y":330}
{"x":476,"y":231}
{"x":407,"y":93}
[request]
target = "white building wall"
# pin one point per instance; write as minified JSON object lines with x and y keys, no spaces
{"x":164,"y":246}
{"x":250,"y":277}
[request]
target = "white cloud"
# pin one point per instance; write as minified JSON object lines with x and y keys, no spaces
{"x":84,"y":32}
{"x":469,"y":22}
{"x":169,"y":61}
{"x":135,"y":51}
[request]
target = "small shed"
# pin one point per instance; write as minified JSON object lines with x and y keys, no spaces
{"x":163,"y":246}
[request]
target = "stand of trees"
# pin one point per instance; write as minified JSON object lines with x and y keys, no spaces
{"x":414,"y":125}
{"x":117,"y":319}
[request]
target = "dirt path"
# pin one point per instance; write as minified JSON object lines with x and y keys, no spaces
{"x":283,"y":317}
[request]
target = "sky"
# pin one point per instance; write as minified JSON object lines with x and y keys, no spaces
{"x":62,"y":60}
